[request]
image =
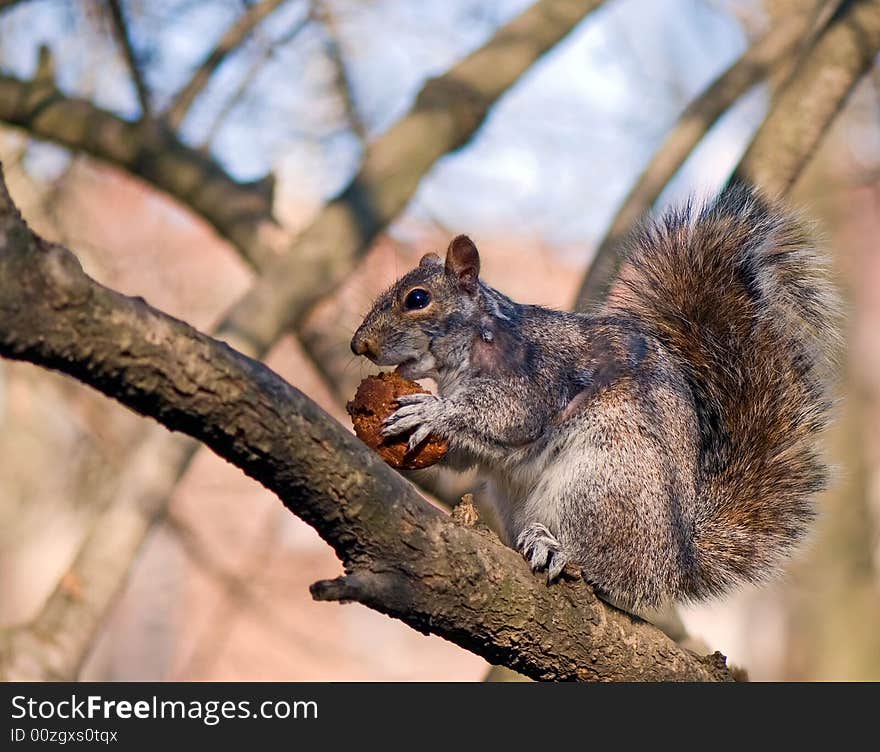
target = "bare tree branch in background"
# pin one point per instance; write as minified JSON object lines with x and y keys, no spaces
{"x":447,"y":112}
{"x":234,"y":99}
{"x":269,"y":48}
{"x":4,"y":4}
{"x":401,"y":556}
{"x":230,"y":41}
{"x":94,"y":612}
{"x":770,"y":52}
{"x":806,"y":107}
{"x":239,"y":211}
{"x":325,"y":15}
{"x":235,"y":589}
{"x":104,"y":559}
{"x":56,"y":642}
{"x":123,"y":37}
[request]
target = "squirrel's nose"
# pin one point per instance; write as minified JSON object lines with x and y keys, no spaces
{"x":362,"y":345}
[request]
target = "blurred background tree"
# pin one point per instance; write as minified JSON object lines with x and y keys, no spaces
{"x":262,"y":168}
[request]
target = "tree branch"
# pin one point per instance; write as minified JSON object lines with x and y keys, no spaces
{"x":401,"y":555}
{"x":4,"y":4}
{"x":120,"y":28}
{"x":234,"y":36}
{"x":268,"y":49}
{"x":241,"y":212}
{"x":808,"y":104}
{"x":765,"y":55}
{"x":342,"y":83}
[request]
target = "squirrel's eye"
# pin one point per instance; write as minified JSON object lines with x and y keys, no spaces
{"x":416,"y":299}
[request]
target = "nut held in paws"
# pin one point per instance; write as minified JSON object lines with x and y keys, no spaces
{"x":374,"y":402}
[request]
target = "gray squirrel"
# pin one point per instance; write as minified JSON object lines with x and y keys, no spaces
{"x":666,"y":443}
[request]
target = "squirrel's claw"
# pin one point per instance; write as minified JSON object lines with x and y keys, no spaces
{"x":418,"y":413}
{"x":402,"y":420}
{"x":415,"y":399}
{"x":557,"y":564}
{"x":542,"y":550}
{"x":418,"y":436}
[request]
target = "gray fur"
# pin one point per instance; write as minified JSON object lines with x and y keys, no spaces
{"x":665,"y":444}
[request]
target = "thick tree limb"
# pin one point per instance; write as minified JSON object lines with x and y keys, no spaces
{"x":765,"y":55}
{"x":229,"y":42}
{"x":120,"y":28}
{"x":401,"y":555}
{"x":805,"y":109}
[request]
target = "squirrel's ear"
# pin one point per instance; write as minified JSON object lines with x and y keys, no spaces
{"x":428,"y":259}
{"x":463,"y":262}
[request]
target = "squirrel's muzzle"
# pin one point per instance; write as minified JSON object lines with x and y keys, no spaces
{"x":361,"y":344}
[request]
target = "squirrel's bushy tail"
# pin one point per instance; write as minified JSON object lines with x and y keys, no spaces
{"x":739,"y":294}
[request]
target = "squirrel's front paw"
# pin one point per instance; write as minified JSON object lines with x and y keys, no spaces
{"x":417,"y":411}
{"x":542,"y":550}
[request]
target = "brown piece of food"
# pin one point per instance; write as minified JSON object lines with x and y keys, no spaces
{"x":374,"y":402}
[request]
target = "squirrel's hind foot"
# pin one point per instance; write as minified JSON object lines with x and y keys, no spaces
{"x":542,"y":550}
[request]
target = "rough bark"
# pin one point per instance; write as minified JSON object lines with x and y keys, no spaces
{"x":113,"y":130}
{"x":401,"y":555}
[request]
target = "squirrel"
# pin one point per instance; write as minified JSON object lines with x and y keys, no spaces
{"x":665,"y":443}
